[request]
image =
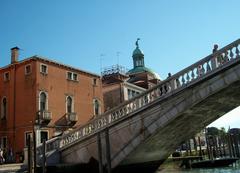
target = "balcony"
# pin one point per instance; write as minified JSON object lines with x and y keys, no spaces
{"x":71,"y":118}
{"x":44,"y":117}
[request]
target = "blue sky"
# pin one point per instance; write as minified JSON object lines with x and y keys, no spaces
{"x":174,"y":34}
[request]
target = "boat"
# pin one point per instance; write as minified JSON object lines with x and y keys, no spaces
{"x":221,"y":162}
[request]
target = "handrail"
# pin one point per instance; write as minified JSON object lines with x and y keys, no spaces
{"x":50,"y":145}
{"x":178,"y":80}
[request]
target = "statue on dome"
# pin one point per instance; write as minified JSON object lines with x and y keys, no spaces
{"x":137,"y":42}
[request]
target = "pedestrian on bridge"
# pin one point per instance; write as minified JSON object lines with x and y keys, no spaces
{"x":2,"y":160}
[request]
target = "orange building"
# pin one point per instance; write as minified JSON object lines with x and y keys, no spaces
{"x":42,"y":95}
{"x":120,"y":85}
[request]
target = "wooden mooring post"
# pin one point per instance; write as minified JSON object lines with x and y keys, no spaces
{"x":108,"y":151}
{"x":44,"y":156}
{"x":99,"y":143}
{"x":29,"y":154}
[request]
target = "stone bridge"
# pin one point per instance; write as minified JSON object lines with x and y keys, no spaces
{"x":149,"y":127}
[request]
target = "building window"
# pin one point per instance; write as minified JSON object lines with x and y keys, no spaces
{"x":4,"y":142}
{"x":72,"y":76}
{"x":43,"y":101}
{"x":43,"y":69}
{"x":132,"y":93}
{"x":28,"y":69}
{"x":96,"y":106}
{"x":4,"y":109}
{"x":75,"y":77}
{"x":27,"y":135}
{"x":43,"y":135}
{"x":94,"y":81}
{"x":69,"y":104}
{"x":6,"y":76}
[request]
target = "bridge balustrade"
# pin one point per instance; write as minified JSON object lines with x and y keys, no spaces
{"x":176,"y":82}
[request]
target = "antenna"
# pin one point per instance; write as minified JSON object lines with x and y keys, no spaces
{"x":101,"y":60}
{"x":118,"y":53}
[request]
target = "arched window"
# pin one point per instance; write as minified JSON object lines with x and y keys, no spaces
{"x":4,"y":108}
{"x":96,"y":107}
{"x":69,"y":104}
{"x":43,"y":101}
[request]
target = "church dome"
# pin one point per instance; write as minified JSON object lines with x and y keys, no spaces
{"x":137,"y":51}
{"x":143,"y":69}
{"x":138,"y":63}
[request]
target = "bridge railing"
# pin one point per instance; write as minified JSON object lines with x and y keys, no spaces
{"x":175,"y":82}
{"x":50,"y":145}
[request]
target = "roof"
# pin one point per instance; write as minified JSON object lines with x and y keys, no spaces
{"x":143,"y":69}
{"x":40,"y":58}
{"x":137,"y":51}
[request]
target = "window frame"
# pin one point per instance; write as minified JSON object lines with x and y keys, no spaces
{"x":5,"y":79}
{"x":26,"y":70}
{"x":2,"y":144}
{"x":72,"y":76}
{"x":94,"y":81}
{"x":72,"y":106}
{"x":40,"y":136}
{"x":3,"y":109}
{"x":25,"y":136}
{"x":41,"y":69}
{"x":99,"y":107}
{"x":39,"y":101}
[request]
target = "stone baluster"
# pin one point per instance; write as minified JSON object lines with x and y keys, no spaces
{"x":192,"y":74}
{"x":178,"y":83}
{"x":200,"y":70}
{"x":188,"y":77}
{"x":221,"y":59}
{"x":237,"y":52}
{"x":183,"y":79}
{"x":173,"y":84}
{"x":137,"y":103}
{"x":203,"y":71}
{"x":225,"y":58}
{"x":208,"y":66}
{"x":169,"y":87}
{"x":129,"y":107}
{"x":125,"y":110}
{"x":231,"y":55}
{"x":110,"y":118}
{"x":141,"y":101}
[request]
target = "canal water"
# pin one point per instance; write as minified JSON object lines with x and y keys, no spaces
{"x":173,"y":168}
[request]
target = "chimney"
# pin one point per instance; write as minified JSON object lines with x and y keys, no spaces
{"x":14,"y":55}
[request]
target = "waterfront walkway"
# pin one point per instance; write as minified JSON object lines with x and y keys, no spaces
{"x":13,"y":168}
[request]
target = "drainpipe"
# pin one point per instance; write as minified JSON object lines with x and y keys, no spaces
{"x":14,"y":60}
{"x":14,"y":109}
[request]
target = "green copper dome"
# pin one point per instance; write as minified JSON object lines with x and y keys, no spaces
{"x":137,"y":51}
{"x":143,"y":69}
{"x":138,"y":63}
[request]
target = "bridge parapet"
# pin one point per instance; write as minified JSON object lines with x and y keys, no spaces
{"x":198,"y":71}
{"x":50,"y":145}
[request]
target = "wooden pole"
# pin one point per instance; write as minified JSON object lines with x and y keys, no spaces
{"x":44,"y":156}
{"x":100,"y":165}
{"x":34,"y":153}
{"x":108,"y":151}
{"x":236,"y":145}
{"x":200,"y":147}
{"x":232,"y":147}
{"x":29,"y":154}
{"x":208,"y":150}
{"x":224,"y":144}
{"x":229,"y":146}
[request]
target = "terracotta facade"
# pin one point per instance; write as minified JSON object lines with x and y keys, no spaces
{"x":69,"y":96}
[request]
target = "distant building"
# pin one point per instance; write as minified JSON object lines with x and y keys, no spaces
{"x":141,"y":75}
{"x":120,"y":85}
{"x":46,"y":96}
